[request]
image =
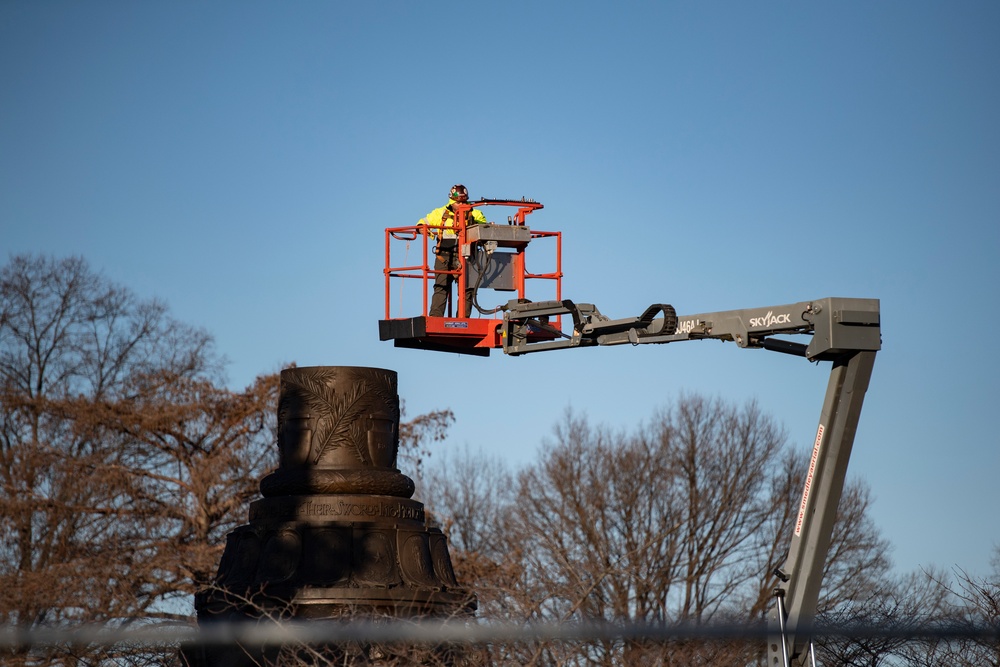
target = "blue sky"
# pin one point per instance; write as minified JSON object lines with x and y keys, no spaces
{"x":240,"y":160}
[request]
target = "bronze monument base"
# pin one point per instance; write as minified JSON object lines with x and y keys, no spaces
{"x":336,"y":535}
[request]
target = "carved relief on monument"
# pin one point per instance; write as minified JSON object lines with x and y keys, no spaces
{"x":415,"y":559}
{"x":441,"y":558}
{"x":239,"y":560}
{"x":374,"y":558}
{"x":327,"y":555}
{"x":383,"y":441}
{"x":281,"y":556}
{"x":295,"y":441}
{"x":338,"y":417}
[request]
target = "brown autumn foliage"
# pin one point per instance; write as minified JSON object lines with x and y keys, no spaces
{"x":124,"y":459}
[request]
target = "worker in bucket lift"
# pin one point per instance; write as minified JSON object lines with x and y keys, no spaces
{"x":441,"y":224}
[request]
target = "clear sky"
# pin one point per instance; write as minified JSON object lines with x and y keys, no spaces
{"x":240,"y":161}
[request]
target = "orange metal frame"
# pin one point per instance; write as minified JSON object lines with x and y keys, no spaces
{"x":460,"y":332}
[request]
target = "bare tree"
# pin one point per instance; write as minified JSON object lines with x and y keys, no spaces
{"x":194,"y":455}
{"x":418,"y":434}
{"x":980,"y":608}
{"x":973,"y":607}
{"x":658,"y":527}
{"x":681,"y":521}
{"x":121,"y":455}
{"x":896,"y":606}
{"x":722,"y":455}
{"x":470,"y":496}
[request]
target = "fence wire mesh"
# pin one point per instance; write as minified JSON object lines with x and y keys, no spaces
{"x":273,"y":633}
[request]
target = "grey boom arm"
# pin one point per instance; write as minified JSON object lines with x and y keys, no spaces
{"x":845,"y":331}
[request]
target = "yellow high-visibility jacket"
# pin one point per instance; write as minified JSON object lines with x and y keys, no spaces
{"x":441,"y":221}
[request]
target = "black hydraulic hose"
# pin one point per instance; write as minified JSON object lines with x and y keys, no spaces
{"x":481,"y":268}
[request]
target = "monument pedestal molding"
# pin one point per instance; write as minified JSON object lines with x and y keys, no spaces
{"x":336,"y":535}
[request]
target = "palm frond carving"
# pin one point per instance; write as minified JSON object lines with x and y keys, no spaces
{"x":337,"y":417}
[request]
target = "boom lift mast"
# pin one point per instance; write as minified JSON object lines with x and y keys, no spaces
{"x":843,"y":331}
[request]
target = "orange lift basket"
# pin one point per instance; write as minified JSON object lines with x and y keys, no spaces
{"x":493,"y":257}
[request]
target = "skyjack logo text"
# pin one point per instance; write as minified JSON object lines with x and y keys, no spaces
{"x":771,"y":320}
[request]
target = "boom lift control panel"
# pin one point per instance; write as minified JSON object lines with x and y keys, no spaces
{"x":843,"y":331}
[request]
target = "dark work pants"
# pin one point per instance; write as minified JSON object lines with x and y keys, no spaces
{"x":447,"y":259}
